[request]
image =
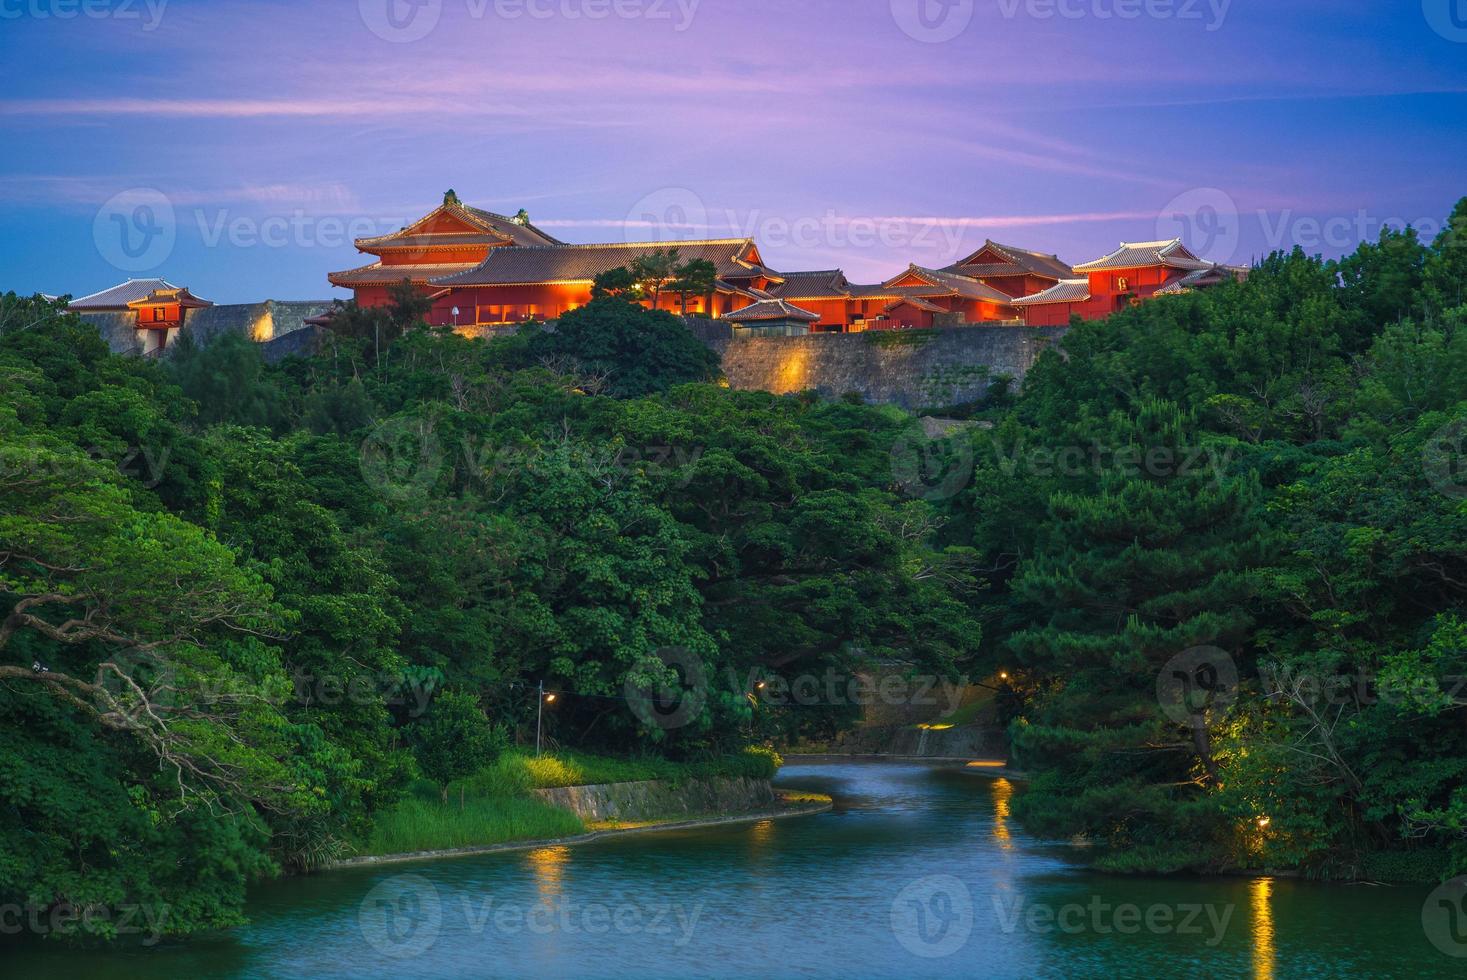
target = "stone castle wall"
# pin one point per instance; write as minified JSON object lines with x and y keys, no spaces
{"x":915,"y":369}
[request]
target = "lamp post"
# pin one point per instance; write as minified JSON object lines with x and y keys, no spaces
{"x":541,"y":700}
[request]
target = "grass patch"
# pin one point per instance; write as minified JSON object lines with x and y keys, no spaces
{"x":418,"y":824}
{"x":515,"y":773}
{"x":497,"y":806}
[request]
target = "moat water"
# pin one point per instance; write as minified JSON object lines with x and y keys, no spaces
{"x":916,"y":872}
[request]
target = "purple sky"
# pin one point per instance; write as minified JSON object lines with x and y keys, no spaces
{"x":237,"y":148}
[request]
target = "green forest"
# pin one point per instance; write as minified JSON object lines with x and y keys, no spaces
{"x":1216,"y":546}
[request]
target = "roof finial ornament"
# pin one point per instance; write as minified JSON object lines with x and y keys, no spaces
{"x":522,"y":217}
{"x":450,"y":197}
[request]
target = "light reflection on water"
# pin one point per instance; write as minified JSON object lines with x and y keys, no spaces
{"x":820,"y":896}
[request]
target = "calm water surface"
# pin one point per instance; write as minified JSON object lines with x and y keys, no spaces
{"x":917,"y":872}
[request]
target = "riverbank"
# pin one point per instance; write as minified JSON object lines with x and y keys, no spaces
{"x":792,"y":805}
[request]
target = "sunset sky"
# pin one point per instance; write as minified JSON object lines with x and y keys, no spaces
{"x":237,"y":148}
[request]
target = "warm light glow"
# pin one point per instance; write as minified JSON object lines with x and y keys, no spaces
{"x":1002,"y":791}
{"x":549,"y":863}
{"x":760,"y":685}
{"x":263,"y":329}
{"x":986,"y":764}
{"x":549,"y":698}
{"x":1264,"y":822}
{"x":1265,"y":953}
{"x":1003,"y":675}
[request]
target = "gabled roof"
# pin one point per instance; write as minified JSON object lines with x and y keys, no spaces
{"x":771,"y":309}
{"x":1211,"y":276}
{"x":119,"y":297}
{"x":169,"y":297}
{"x":1141,"y":255}
{"x":1064,"y":291}
{"x":948,"y":284}
{"x":914,"y":301}
{"x":478,"y":227}
{"x":826,"y":284}
{"x":732,"y":258}
{"x":378,"y":274}
{"x":994,"y":260}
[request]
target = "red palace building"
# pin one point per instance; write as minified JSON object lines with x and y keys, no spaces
{"x":485,"y":269}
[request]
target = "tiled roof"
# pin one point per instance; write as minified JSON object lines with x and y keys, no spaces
{"x":1019,"y":262}
{"x":1211,"y":276}
{"x":1140,"y":255}
{"x":771,"y":309}
{"x":1065,"y":291}
{"x":827,"y":284}
{"x":915,"y":301}
{"x":120,"y":295}
{"x":582,"y":263}
{"x":492,"y":229}
{"x":378,"y":274}
{"x":950,"y":284}
{"x":520,"y":234}
{"x":179,"y":295}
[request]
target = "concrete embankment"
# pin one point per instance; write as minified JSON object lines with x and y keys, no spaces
{"x":648,"y":807}
{"x":658,"y":800}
